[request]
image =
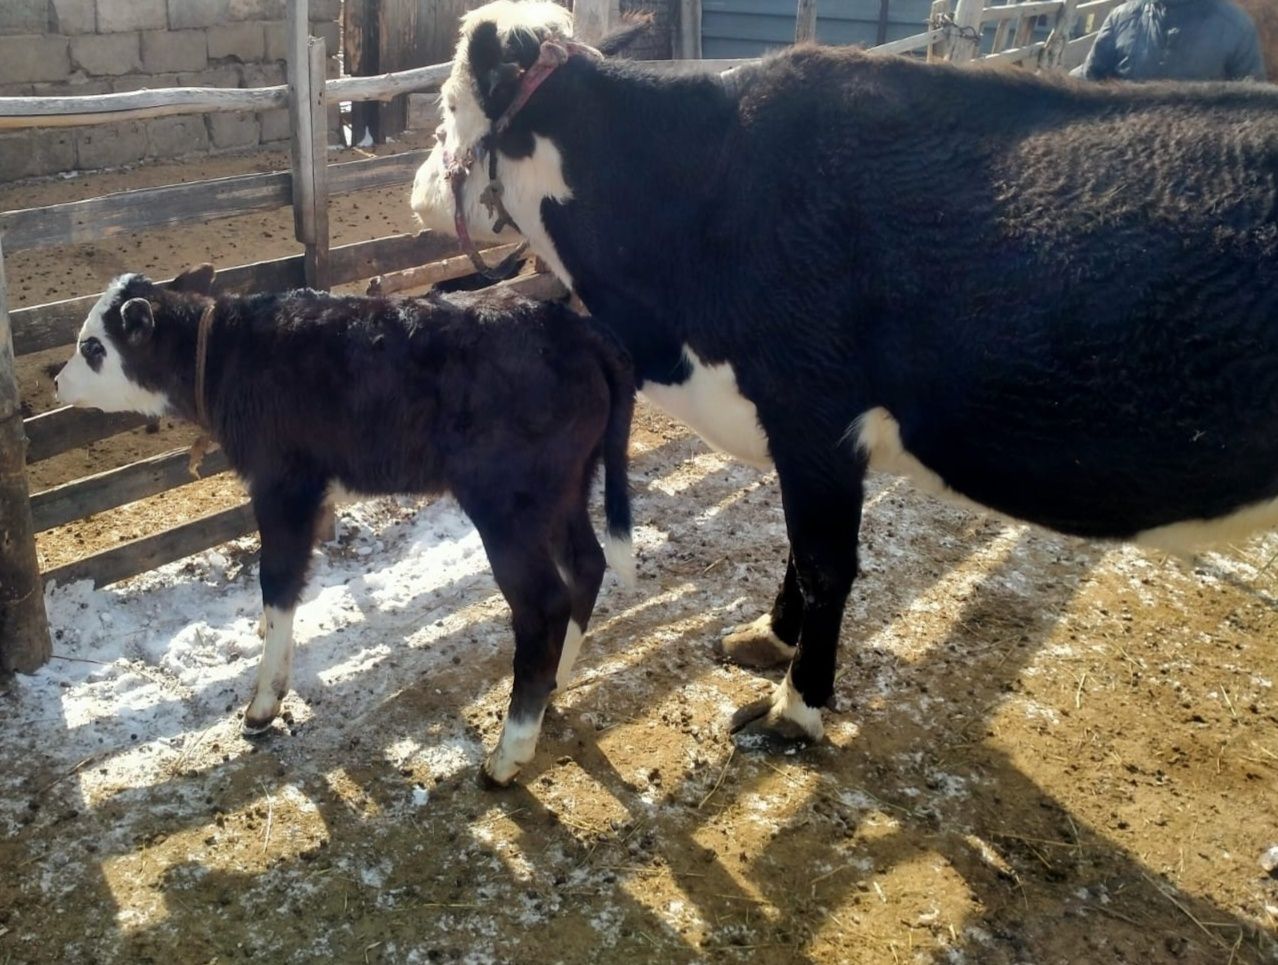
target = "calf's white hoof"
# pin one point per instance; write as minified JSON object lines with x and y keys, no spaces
{"x":756,"y":645}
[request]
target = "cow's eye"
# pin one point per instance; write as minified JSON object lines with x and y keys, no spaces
{"x":92,"y":349}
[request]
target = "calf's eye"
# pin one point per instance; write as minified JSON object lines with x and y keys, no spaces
{"x":92,"y":349}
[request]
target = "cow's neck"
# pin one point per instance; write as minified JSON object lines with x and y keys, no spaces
{"x":641,"y":157}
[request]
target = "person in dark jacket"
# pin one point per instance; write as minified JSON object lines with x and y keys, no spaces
{"x":1175,"y":40}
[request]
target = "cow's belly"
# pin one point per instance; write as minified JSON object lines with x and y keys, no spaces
{"x":710,"y":404}
{"x":878,"y":435}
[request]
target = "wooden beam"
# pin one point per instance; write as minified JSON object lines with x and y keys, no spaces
{"x":595,"y":19}
{"x":60,"y":430}
{"x":24,"y":627}
{"x":1014,"y":11}
{"x":965,"y":42}
{"x":19,"y":112}
{"x":419,"y":276}
{"x":140,"y":555}
{"x":115,"y":487}
{"x":115,"y":214}
{"x":199,"y":201}
{"x":312,"y":195}
{"x":385,"y":87}
{"x":939,"y":47}
{"x":55,"y":324}
{"x":689,"y":46}
{"x":906,"y":45}
{"x":805,"y":22}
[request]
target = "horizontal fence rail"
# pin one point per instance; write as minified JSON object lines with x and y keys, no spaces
{"x":113,"y":214}
{"x":24,"y":112}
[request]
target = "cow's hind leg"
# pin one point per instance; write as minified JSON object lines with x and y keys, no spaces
{"x":540,"y":608}
{"x":286,"y":515}
{"x":585,"y":571}
{"x":823,"y":517}
{"x":771,"y":639}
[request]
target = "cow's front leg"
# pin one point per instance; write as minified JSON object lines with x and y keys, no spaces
{"x":286,"y":516}
{"x":771,"y":639}
{"x":823,"y":518}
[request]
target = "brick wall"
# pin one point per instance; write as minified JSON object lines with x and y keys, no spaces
{"x":75,"y":47}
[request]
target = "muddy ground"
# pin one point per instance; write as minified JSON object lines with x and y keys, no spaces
{"x":1043,"y":750}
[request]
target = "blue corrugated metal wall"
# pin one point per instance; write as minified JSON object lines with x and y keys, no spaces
{"x":748,"y":28}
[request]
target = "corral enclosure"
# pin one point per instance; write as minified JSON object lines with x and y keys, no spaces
{"x":1042,"y":749}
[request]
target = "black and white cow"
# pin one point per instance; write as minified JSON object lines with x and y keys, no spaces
{"x":1056,"y":301}
{"x":506,"y":403}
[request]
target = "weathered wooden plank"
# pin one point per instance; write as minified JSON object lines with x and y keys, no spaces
{"x":805,"y":21}
{"x":1016,"y":55}
{"x":543,"y":285}
{"x":115,"y":487}
{"x":56,"y":323}
{"x":395,"y":253}
{"x":140,"y":555}
{"x":297,"y":34}
{"x":1013,"y":11}
{"x":383,"y":87}
{"x":595,"y":19}
{"x":20,"y":112}
{"x":965,"y":41}
{"x":419,"y":276}
{"x":59,"y":430}
{"x":907,"y":44}
{"x":689,"y":45}
{"x":24,"y":628}
{"x":199,"y":201}
{"x":124,"y":211}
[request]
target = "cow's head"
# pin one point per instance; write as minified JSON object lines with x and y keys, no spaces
{"x":498,"y":42}
{"x":125,"y":355}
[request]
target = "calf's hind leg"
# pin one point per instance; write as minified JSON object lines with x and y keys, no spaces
{"x":540,"y":607}
{"x":585,"y":572}
{"x":286,"y":515}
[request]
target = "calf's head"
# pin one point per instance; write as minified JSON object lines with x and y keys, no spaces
{"x":134,"y":339}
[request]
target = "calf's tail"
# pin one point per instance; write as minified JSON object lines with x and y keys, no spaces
{"x":618,"y":548}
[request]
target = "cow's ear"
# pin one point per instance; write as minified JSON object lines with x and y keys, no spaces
{"x":198,"y":280}
{"x":137,"y":320}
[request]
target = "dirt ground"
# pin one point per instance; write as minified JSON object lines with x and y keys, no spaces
{"x":1042,"y":750}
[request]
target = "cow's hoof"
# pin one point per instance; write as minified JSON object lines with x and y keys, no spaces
{"x":780,"y":722}
{"x":755,"y":645}
{"x":255,"y":728}
{"x":491,"y":780}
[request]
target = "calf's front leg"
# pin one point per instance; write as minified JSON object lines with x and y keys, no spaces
{"x":286,"y":517}
{"x":823,"y":518}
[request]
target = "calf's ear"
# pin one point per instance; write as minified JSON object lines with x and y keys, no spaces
{"x":198,"y":280}
{"x":138,"y":322}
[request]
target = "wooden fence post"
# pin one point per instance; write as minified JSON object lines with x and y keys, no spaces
{"x":689,"y":47}
{"x":594,"y":19}
{"x":805,"y":22}
{"x":24,"y":627}
{"x":308,"y":114}
{"x":1053,"y":53}
{"x":965,"y":45}
{"x":939,"y":49}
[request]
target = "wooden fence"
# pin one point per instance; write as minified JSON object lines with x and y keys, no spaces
{"x":954,"y":34}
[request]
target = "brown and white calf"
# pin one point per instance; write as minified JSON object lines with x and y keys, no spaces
{"x":506,"y":403}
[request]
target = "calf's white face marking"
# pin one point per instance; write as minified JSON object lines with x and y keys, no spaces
{"x":94,"y":376}
{"x":710,"y":403}
{"x":528,"y":181}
